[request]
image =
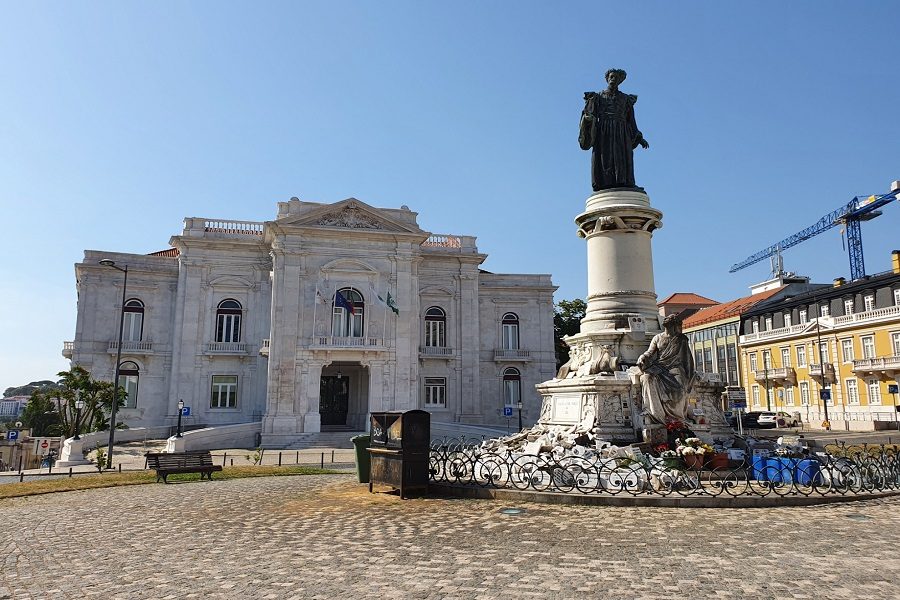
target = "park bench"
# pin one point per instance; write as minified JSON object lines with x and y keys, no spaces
{"x":166,"y":463}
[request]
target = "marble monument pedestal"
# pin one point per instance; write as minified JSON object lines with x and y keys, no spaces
{"x":72,"y":454}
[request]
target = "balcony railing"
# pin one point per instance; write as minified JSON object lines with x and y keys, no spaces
{"x":815,"y":370}
{"x":775,"y":374}
{"x":348,"y":342}
{"x":888,"y":364}
{"x":264,"y":348}
{"x":131,"y":347}
{"x":506,"y":354}
{"x":869,"y":315}
{"x":68,"y":349}
{"x":435,"y":351}
{"x":227,"y":348}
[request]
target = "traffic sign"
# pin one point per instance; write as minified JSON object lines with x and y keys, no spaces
{"x":739,"y":395}
{"x":12,"y":434}
{"x":507,"y":411}
{"x":825,"y":394}
{"x":40,"y":446}
{"x":893,"y":388}
{"x":737,"y":405}
{"x":186,"y":411}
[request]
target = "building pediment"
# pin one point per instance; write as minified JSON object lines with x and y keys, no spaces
{"x":349,"y":214}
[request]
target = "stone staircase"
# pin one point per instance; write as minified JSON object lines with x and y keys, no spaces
{"x":325,"y":439}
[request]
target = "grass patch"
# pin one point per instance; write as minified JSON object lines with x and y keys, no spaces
{"x":112,"y":479}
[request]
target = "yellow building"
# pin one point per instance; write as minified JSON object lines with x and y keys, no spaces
{"x":856,"y":329}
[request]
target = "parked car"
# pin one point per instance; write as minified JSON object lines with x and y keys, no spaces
{"x":785,"y":419}
{"x":774,"y":419}
{"x":748,"y":420}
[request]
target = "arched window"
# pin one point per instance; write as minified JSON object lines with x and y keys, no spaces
{"x":348,"y":310}
{"x":435,"y":328}
{"x":228,"y":321}
{"x":128,"y":379}
{"x":133,"y":326}
{"x":512,"y":387}
{"x":510,"y":332}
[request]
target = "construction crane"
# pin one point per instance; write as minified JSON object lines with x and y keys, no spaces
{"x":851,"y":215}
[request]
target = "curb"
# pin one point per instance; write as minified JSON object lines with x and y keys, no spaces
{"x":672,"y":501}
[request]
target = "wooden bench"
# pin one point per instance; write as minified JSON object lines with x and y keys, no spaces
{"x":166,"y":463}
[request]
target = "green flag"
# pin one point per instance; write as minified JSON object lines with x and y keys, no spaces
{"x":392,"y":305}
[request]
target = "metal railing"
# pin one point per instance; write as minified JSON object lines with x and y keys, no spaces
{"x":347,"y":342}
{"x":841,"y":470}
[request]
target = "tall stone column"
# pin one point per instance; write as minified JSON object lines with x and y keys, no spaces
{"x":618,"y":225}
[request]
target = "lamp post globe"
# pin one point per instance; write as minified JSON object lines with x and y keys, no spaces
{"x":519,"y":406}
{"x":79,"y":404}
{"x":180,"y":412}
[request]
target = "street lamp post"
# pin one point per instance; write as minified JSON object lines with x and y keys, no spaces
{"x":766,"y":357}
{"x":180,"y":411}
{"x":115,"y":401}
{"x":79,"y":404}
{"x":519,"y":406}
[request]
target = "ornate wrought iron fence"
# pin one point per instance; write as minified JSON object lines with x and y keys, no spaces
{"x":841,"y":470}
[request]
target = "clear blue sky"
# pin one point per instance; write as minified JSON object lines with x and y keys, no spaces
{"x":120,"y":119}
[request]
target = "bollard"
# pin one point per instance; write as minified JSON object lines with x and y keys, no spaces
{"x":232,"y":462}
{"x":21,"y":476}
{"x":70,"y":472}
{"x":332,"y":457}
{"x":323,"y":460}
{"x":120,"y":467}
{"x":49,"y":468}
{"x":298,"y":457}
{"x":225,"y":456}
{"x":279,"y":459}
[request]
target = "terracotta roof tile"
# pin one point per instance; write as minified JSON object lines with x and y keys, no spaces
{"x":727,"y":309}
{"x":687,"y":298}
{"x":169,"y":253}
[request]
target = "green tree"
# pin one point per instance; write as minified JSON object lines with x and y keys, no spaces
{"x":40,"y":415}
{"x":76,"y":384}
{"x":567,"y":315}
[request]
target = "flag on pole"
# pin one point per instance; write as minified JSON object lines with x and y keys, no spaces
{"x":343,"y":303}
{"x":392,"y":305}
{"x":320,"y":298}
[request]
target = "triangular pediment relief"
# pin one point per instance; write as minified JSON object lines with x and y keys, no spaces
{"x":350,"y":214}
{"x":827,"y":325}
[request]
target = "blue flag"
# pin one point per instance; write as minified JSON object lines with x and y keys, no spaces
{"x":343,"y":303}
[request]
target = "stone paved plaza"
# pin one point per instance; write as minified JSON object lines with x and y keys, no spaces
{"x":326,"y":537}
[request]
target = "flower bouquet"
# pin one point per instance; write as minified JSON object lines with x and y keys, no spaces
{"x":693,"y":451}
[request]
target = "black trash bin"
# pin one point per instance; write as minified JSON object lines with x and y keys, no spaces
{"x":363,"y":460}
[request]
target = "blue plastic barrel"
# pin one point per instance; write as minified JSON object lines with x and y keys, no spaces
{"x":759,"y":468}
{"x":781,"y":470}
{"x":807,"y":471}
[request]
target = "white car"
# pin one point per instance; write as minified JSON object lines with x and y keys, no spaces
{"x":776,"y":419}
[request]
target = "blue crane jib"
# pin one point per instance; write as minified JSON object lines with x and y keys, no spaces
{"x":861,"y":208}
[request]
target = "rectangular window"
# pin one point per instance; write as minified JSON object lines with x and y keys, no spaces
{"x":848,"y":306}
{"x":228,"y":328}
{"x":511,"y":392}
{"x":789,"y":396}
{"x":847,"y":350}
{"x":767,"y":359}
{"x":874,"y":392}
{"x":435,"y":392}
{"x":895,"y":343}
{"x":868,"y":344}
{"x":753,"y":363}
{"x":804,"y":393}
{"x":787,"y":319}
{"x":897,"y":297}
{"x":801,"y":356}
{"x":785,"y":357}
{"x":224,"y":391}
{"x":768,"y":323}
{"x":823,"y":353}
{"x":755,"y":395}
{"x":134,"y":322}
{"x":803,"y":318}
{"x":130,"y":383}
{"x":852,"y":392}
{"x":824,"y":310}
{"x":869,"y":302}
{"x":434,"y":334}
{"x":770,"y":395}
{"x":510,"y":336}
{"x":755,"y":326}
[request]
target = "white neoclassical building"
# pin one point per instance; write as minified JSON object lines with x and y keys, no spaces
{"x":309,"y":322}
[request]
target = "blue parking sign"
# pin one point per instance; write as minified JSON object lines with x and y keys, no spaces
{"x":825,"y":394}
{"x":186,"y":411}
{"x":507,"y":411}
{"x":12,"y":434}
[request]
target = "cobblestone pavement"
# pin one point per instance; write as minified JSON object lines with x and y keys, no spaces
{"x":326,"y":537}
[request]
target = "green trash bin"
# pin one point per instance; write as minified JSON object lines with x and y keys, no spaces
{"x":363,"y":460}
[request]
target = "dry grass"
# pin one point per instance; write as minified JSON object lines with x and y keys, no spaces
{"x":105,"y":480}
